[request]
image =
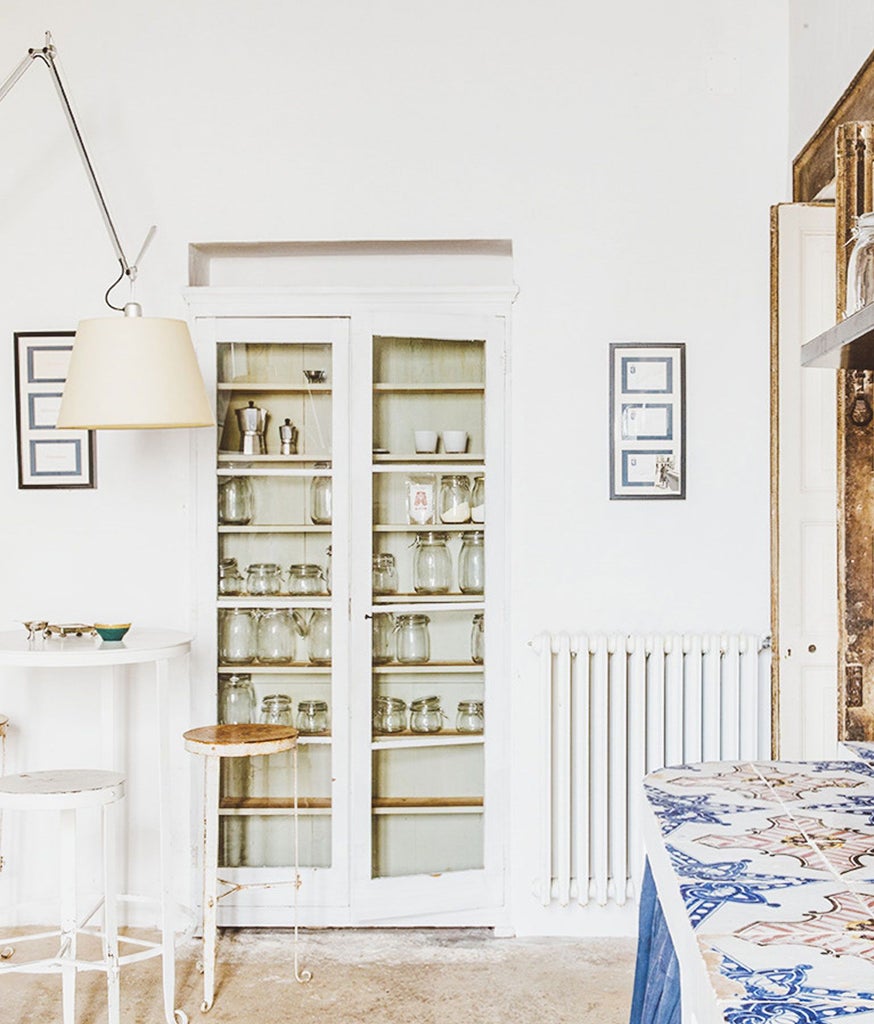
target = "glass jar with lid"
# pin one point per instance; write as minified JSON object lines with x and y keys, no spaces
{"x":426,"y":715}
{"x":236,"y":699}
{"x":478,"y":500}
{"x":321,"y":498}
{"x":237,"y":636}
{"x":477,"y":639}
{"x":470,"y":716}
{"x":471,"y":563}
{"x":860,"y":268}
{"x":413,"y":641}
{"x":382,"y":646}
{"x":455,"y":499}
{"x":230,"y":579}
{"x":263,"y":578}
{"x":276,"y":709}
{"x":236,"y":501}
{"x":385,"y":574}
{"x":312,"y":717}
{"x":277,"y":637}
{"x":432,"y":566}
{"x":319,"y":637}
{"x":306,"y":579}
{"x":389,"y":715}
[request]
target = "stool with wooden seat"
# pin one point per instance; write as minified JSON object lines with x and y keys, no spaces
{"x":213,"y":742}
{"x":69,"y":791}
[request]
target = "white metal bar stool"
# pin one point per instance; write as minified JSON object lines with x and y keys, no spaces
{"x":69,"y":791}
{"x":212,"y":743}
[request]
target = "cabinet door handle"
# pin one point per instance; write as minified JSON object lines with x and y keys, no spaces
{"x":812,"y":648}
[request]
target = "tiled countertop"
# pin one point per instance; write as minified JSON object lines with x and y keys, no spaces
{"x":765,"y":873}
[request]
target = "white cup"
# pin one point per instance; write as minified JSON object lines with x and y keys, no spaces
{"x":426,"y":441}
{"x":454,"y":441}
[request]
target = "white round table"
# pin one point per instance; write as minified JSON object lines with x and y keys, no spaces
{"x":139,"y":646}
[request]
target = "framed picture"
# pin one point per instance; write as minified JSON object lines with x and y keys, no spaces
{"x":47,"y":457}
{"x":647,"y":420}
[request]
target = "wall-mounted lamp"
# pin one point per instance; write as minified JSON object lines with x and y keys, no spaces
{"x":130,"y":371}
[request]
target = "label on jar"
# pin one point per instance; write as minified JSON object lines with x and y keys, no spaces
{"x":420,"y":502}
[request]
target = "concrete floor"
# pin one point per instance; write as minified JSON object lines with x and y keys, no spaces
{"x":417,"y":976}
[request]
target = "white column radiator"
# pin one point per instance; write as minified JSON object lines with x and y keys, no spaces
{"x":616,"y":707}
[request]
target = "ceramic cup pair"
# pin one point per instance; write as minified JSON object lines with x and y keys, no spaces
{"x":454,"y":441}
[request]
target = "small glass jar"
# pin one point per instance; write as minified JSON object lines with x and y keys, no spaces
{"x":319,"y":637}
{"x":426,"y":715}
{"x":276,"y":709}
{"x":263,"y":578}
{"x":478,"y":500}
{"x":413,"y":641}
{"x":236,"y":501}
{"x":472,"y":563}
{"x":328,"y":567}
{"x":470,"y":716}
{"x":385,"y":574}
{"x":455,"y":499}
{"x":237,"y":636}
{"x":477,"y":639}
{"x":312,"y":717}
{"x":389,"y":715}
{"x":306,"y":579}
{"x":236,"y":699}
{"x":382,"y":640}
{"x":432,"y":566}
{"x":230,"y":579}
{"x":321,"y":498}
{"x":277,"y":637}
{"x":860,"y":267}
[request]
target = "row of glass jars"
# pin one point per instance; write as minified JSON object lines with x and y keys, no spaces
{"x":265,"y":579}
{"x":238,"y":706}
{"x":432,"y":564}
{"x":425,"y":715}
{"x":271,"y":635}
{"x":461,"y":502}
{"x":236,"y":500}
{"x":408,"y":640}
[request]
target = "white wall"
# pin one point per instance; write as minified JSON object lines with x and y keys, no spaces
{"x":631,"y":152}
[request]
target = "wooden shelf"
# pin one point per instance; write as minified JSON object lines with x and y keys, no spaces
{"x":849,"y":345}
{"x":234,"y":458}
{"x":430,"y":460}
{"x":457,"y":387}
{"x":390,"y":599}
{"x":292,"y":668}
{"x":430,"y":528}
{"x":274,"y":388}
{"x":274,"y":601}
{"x":402,"y":803}
{"x":444,"y":738}
{"x":301,"y":528}
{"x":393,"y":668}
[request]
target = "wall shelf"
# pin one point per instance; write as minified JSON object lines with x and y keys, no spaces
{"x":849,"y":345}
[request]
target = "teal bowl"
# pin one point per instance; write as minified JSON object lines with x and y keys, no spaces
{"x":114,"y":632}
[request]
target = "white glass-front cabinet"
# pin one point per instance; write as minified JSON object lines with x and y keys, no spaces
{"x":355,"y":586}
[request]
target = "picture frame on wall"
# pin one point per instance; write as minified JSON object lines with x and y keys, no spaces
{"x":647,"y":420}
{"x":47,"y":457}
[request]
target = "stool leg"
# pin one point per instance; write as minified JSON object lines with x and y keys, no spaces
{"x":68,"y":913}
{"x":110,"y":910}
{"x":210,"y":875}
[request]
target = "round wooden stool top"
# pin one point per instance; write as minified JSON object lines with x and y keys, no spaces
{"x":64,"y":789}
{"x":240,"y":740}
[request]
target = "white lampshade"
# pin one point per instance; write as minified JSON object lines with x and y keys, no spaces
{"x":133,"y":372}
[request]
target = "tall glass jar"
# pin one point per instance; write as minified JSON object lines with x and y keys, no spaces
{"x":236,"y":501}
{"x":413,"y":641}
{"x":472,"y":563}
{"x":276,"y":709}
{"x":230,"y":581}
{"x":478,"y":500}
{"x":319,"y":637}
{"x":426,"y":715}
{"x":385,"y":574}
{"x":277,"y":637}
{"x":860,"y":268}
{"x":455,"y":499}
{"x":389,"y":715}
{"x":432,"y":566}
{"x":263,"y":578}
{"x":469,"y":717}
{"x":236,"y":699}
{"x":306,"y":579}
{"x":321,"y":497}
{"x":383,"y":625}
{"x":477,"y":639}
{"x":237,"y":636}
{"x":312,"y":717}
